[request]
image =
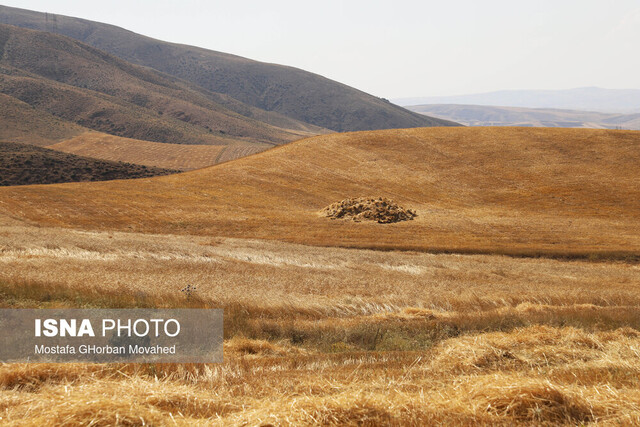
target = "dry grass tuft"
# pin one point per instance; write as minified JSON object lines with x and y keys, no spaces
{"x":32,"y":376}
{"x":239,"y":346}
{"x":98,"y":411}
{"x":537,"y":401}
{"x":536,"y":347}
{"x":187,"y":405}
{"x":343,"y":411}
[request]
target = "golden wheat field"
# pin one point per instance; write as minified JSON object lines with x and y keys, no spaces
{"x":512,"y":298}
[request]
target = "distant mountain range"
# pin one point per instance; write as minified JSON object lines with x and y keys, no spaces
{"x":483,"y":115}
{"x":586,"y":99}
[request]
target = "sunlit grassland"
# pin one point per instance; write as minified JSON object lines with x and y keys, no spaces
{"x":334,"y":336}
{"x":513,"y":296}
{"x":568,"y":193}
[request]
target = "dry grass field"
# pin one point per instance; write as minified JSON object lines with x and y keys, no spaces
{"x":564,"y":192}
{"x":172,"y":156}
{"x":512,"y":298}
{"x":332,"y":336}
{"x":115,"y":148}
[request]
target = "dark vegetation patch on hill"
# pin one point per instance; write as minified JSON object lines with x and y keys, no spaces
{"x":22,"y":164}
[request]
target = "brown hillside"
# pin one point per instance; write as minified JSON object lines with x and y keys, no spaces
{"x":81,"y":84}
{"x":288,"y":91}
{"x":20,"y":122}
{"x":511,"y":190}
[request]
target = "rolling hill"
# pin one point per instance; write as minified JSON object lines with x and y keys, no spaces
{"x":23,"y":164}
{"x":521,"y":191}
{"x":484,"y":115}
{"x":291,"y":92}
{"x":585,"y":99}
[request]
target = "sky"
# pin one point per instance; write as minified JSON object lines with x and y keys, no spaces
{"x":401,"y":48}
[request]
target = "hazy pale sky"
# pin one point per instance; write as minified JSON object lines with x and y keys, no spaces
{"x":401,"y":48}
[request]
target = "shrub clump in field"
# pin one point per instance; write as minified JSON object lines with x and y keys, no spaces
{"x":380,"y":209}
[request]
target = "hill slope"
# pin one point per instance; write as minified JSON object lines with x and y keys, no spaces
{"x":585,"y":99}
{"x":79,"y":83}
{"x":483,"y":115}
{"x":23,"y":123}
{"x":292,"y":92}
{"x":20,"y":122}
{"x":22,"y":164}
{"x":172,"y":156}
{"x":502,"y":190}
